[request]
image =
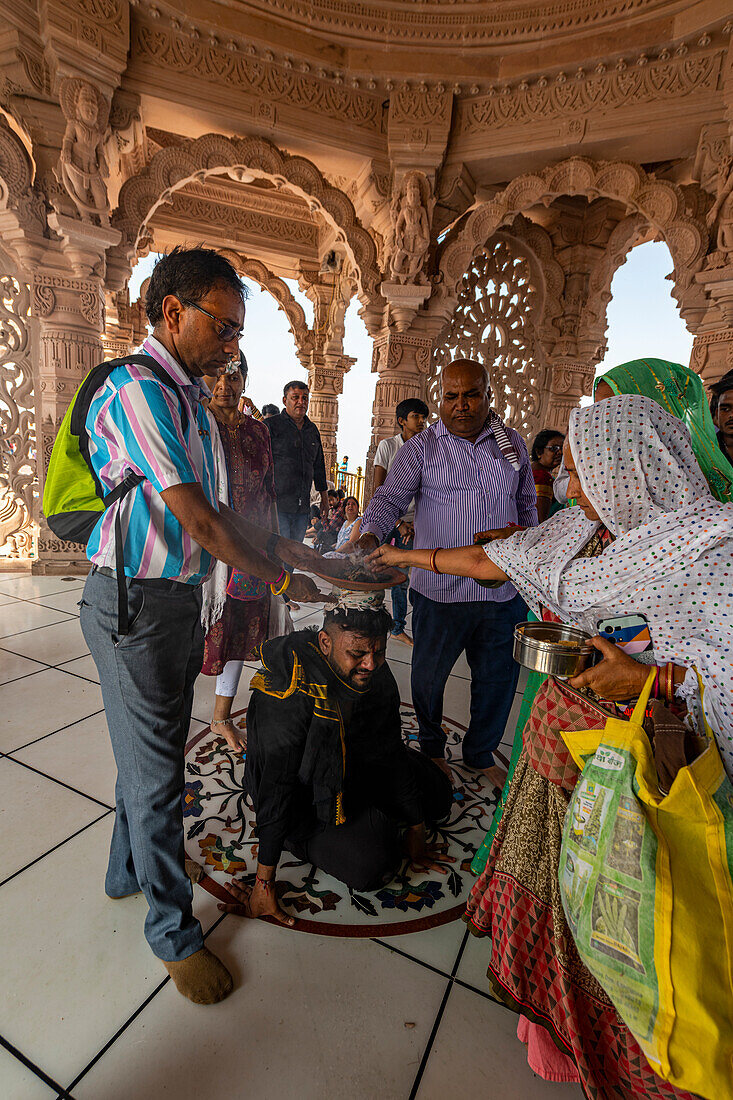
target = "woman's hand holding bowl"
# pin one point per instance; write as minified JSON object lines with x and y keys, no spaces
{"x":388,"y":557}
{"x":617,"y":677}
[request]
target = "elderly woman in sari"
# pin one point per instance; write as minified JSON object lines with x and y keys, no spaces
{"x":681,"y":392}
{"x":647,"y":538}
{"x":237,"y":609}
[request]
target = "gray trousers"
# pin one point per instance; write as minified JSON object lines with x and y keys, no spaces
{"x":147,"y":679}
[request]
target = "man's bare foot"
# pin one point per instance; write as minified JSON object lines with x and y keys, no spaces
{"x":495,"y":775}
{"x":443,"y":765}
{"x":201,"y":977}
{"x":235,"y":738}
{"x":402,"y":637}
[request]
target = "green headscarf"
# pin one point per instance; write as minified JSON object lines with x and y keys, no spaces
{"x":680,"y":391}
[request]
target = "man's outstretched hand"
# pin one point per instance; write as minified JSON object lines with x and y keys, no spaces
{"x":255,"y":901}
{"x":303,"y":589}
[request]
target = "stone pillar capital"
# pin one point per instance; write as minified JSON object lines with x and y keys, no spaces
{"x":569,"y":381}
{"x":69,"y":312}
{"x":712,"y":355}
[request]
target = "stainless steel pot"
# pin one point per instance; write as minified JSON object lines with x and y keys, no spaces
{"x":539,"y":646}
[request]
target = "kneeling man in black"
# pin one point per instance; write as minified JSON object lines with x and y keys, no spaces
{"x":327,"y":770}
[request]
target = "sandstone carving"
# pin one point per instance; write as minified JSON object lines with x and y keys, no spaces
{"x":82,"y":164}
{"x":411,"y":213}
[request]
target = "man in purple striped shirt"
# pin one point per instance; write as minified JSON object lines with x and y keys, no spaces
{"x":467,"y":473}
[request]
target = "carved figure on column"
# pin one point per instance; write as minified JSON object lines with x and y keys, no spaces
{"x":720,"y":214}
{"x":411,"y":213}
{"x":82,"y":164}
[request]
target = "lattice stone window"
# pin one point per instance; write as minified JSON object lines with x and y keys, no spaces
{"x":495,"y":323}
{"x":18,"y":485}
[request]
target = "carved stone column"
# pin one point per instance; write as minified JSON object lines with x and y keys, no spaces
{"x":712,"y":355}
{"x":326,"y":382}
{"x":569,"y":381}
{"x":401,"y":360}
{"x":330,"y":292}
{"x":69,"y":313}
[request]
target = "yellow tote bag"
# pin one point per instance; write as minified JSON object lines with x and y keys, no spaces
{"x":646,"y":885}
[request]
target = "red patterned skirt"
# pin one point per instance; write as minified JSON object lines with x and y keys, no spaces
{"x":535,"y":967}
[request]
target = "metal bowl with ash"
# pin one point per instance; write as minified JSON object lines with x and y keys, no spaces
{"x":553,"y":648}
{"x":353,"y":572}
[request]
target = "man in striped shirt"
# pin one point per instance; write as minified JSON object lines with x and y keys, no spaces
{"x":468,"y":473}
{"x":173,"y":528}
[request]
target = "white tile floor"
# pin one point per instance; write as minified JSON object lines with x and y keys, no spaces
{"x":87,"y":1012}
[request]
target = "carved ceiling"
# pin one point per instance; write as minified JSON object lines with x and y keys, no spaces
{"x":445,"y":23}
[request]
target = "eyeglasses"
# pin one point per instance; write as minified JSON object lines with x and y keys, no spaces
{"x":556,"y":447}
{"x":224,"y":330}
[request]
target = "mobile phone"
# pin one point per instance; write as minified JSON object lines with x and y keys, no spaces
{"x":630,"y":632}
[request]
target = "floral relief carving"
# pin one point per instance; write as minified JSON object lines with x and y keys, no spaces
{"x":44,"y":300}
{"x":18,"y":485}
{"x":495,"y":321}
{"x":665,"y":78}
{"x":190,"y":210}
{"x":171,"y":168}
{"x":237,"y":69}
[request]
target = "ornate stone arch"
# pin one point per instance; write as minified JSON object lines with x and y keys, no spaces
{"x":213,"y":154}
{"x":662,"y":204}
{"x":280,"y":291}
{"x":22,"y":209}
{"x":629,"y":232}
{"x":506,"y":304}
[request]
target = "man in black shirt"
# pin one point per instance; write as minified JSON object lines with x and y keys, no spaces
{"x":722,"y":409}
{"x":297,"y":453}
{"x":327,"y":770}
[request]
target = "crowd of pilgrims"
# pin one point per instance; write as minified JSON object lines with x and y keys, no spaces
{"x":625,"y":519}
{"x":639,"y":467}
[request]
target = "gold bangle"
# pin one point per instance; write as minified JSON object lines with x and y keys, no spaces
{"x":433,"y":566}
{"x":670,"y":682}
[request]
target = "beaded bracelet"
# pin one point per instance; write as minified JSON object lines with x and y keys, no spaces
{"x":433,"y":566}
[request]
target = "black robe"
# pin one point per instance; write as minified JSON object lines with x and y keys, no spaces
{"x":317,"y":747}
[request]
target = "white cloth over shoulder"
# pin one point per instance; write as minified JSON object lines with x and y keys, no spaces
{"x":214,"y":588}
{"x":671,"y":561}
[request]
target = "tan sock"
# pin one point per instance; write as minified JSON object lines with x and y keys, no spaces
{"x":201,"y":977}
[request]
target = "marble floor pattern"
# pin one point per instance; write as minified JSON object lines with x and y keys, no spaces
{"x":87,"y":1012}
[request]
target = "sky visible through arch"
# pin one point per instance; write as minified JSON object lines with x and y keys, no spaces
{"x":643,"y":321}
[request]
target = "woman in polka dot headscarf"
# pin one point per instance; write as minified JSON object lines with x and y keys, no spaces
{"x":666,"y":553}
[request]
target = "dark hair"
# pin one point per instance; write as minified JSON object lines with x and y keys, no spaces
{"x":296,"y":384}
{"x":410,"y":405}
{"x":542,"y":439}
{"x":243,"y":365}
{"x":270,"y":410}
{"x":340,"y":494}
{"x":718,"y":389}
{"x":355,"y":500}
{"x":334,"y":493}
{"x":189,"y":273}
{"x":371,"y":624}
